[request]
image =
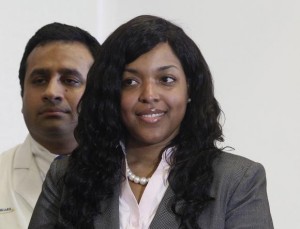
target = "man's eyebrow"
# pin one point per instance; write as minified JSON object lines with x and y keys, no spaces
{"x":70,"y":71}
{"x":40,"y":71}
{"x":64,"y":71}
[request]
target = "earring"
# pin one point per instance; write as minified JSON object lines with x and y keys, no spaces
{"x":189,"y":100}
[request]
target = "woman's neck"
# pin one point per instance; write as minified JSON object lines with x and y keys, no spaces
{"x":147,"y":155}
{"x":142,"y":161}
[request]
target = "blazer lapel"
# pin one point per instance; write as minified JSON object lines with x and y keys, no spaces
{"x":110,"y":213}
{"x":164,"y":217}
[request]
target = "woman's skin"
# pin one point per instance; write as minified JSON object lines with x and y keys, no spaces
{"x":153,"y":103}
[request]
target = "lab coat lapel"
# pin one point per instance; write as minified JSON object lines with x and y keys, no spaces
{"x":26,"y":176}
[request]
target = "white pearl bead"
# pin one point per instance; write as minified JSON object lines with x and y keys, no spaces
{"x":143,"y":181}
{"x":131,"y":177}
{"x":136,"y":179}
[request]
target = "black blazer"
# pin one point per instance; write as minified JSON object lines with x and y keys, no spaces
{"x":239,"y":188}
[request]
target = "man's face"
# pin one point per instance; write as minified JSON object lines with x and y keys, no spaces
{"x":55,"y":80}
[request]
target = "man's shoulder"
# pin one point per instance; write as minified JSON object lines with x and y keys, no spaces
{"x":8,"y":155}
{"x":20,"y":155}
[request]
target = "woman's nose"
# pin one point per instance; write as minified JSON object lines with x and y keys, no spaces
{"x":149,"y":93}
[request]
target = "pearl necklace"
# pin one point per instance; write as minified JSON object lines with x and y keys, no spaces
{"x":136,"y":179}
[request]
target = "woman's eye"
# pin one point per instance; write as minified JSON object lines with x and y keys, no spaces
{"x":168,"y":80}
{"x":129,"y":82}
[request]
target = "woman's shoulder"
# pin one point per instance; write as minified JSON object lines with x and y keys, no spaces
{"x":239,"y":188}
{"x":59,"y":166}
{"x":232,"y":168}
{"x":231,"y":161}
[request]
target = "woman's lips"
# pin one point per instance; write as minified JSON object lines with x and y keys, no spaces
{"x":151,"y":116}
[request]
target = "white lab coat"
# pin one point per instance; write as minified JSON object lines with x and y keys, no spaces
{"x":20,"y":184}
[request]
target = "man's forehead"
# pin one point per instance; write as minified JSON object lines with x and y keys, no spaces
{"x":60,"y":49}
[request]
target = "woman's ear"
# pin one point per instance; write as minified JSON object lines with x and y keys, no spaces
{"x":188,"y":93}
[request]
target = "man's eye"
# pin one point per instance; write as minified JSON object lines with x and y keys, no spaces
{"x":38,"y":81}
{"x":72,"y":82}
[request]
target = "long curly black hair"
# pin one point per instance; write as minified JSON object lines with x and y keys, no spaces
{"x":96,"y":166}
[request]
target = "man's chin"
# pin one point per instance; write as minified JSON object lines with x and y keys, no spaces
{"x":57,"y":128}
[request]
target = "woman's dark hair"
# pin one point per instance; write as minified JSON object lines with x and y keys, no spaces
{"x":96,"y":166}
{"x":55,"y":32}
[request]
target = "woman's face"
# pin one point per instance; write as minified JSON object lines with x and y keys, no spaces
{"x":154,"y":97}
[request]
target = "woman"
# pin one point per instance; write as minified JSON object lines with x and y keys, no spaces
{"x":147,"y":155}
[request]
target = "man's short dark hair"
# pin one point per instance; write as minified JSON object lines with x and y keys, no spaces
{"x":56,"y":32}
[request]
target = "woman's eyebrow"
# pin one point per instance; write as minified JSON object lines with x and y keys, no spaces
{"x":162,"y":68}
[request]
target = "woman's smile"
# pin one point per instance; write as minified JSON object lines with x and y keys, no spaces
{"x":151,"y":116}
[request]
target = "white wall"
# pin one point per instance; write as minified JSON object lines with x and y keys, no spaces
{"x":19,"y":20}
{"x":252,"y":48}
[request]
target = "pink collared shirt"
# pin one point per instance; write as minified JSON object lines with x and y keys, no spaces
{"x":134,"y":215}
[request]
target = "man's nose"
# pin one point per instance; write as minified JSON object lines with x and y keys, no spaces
{"x":53,"y":91}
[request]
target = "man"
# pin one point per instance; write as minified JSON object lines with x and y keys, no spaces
{"x":52,"y":76}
